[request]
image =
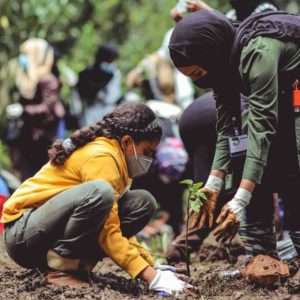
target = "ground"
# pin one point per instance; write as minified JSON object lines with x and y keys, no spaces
{"x":207,"y":269}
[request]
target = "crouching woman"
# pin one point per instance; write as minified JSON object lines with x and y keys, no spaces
{"x":78,"y":208}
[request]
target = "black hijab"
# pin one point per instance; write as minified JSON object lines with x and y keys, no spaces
{"x":203,"y":38}
{"x":107,"y":52}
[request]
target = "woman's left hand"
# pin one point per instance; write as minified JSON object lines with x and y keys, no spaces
{"x":232,"y":215}
{"x":228,"y":225}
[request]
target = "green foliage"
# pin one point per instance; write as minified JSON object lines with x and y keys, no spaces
{"x":195,"y":196}
{"x":77,"y":27}
{"x":4,"y":159}
{"x":158,"y":245}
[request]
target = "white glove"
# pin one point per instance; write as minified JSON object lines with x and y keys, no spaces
{"x":166,"y":283}
{"x":240,"y":200}
{"x":214,"y":183}
{"x":165,"y":268}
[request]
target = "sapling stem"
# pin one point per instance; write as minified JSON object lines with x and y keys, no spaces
{"x":198,"y":198}
{"x":187,"y":254}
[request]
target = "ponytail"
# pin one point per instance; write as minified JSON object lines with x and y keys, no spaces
{"x":136,"y":120}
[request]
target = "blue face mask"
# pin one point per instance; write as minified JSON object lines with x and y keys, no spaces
{"x":107,"y":67}
{"x":23,"y":61}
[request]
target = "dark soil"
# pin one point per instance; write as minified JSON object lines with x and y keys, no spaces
{"x":114,"y":284}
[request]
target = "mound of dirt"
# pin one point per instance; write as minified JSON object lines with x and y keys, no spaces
{"x":207,"y":269}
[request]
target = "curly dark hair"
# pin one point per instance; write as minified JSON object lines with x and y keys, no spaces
{"x":136,"y":120}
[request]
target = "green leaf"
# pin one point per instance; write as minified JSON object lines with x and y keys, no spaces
{"x":195,"y":205}
{"x":145,"y":246}
{"x":165,"y":241}
{"x":187,"y":182}
{"x":197,"y":186}
{"x":203,"y":196}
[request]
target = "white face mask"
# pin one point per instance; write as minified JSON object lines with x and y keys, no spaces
{"x":138,"y":165}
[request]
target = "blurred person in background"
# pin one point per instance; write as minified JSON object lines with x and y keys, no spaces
{"x":99,"y":85}
{"x":158,"y":79}
{"x":39,"y":110}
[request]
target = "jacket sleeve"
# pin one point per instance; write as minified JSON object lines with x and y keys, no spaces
{"x":228,"y":115}
{"x":262,"y":85}
{"x":143,"y":252}
{"x":111,"y":240}
{"x":48,"y":88}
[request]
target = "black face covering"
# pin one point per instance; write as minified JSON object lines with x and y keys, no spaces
{"x":205,"y":82}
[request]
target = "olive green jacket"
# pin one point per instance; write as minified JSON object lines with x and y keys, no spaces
{"x":263,"y":62}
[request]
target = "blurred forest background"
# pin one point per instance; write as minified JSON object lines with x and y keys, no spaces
{"x":77,"y":27}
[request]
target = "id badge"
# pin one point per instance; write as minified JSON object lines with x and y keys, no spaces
{"x":238,"y":145}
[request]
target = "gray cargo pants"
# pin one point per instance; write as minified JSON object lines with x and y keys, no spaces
{"x":70,"y":222}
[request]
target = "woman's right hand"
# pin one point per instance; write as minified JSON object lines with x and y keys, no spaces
{"x":212,"y":189}
{"x":206,"y":211}
{"x":167,"y":283}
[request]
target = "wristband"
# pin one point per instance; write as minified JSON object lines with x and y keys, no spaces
{"x":239,"y":202}
{"x":214,"y":183}
{"x":243,"y":196}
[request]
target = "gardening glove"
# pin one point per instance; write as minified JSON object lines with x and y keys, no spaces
{"x":166,"y":283}
{"x":211,"y":189}
{"x":165,"y":268}
{"x":232,"y":215}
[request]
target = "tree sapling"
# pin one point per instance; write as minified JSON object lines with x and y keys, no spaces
{"x":194,"y":202}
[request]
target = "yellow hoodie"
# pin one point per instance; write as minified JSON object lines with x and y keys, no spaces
{"x":101,"y":159}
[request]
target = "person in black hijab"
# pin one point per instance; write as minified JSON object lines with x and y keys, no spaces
{"x":99,"y":84}
{"x":261,"y":59}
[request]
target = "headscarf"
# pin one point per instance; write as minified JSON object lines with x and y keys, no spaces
{"x":107,"y":52}
{"x":203,"y":38}
{"x":40,"y":57}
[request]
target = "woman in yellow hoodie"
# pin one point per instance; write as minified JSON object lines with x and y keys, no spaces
{"x":79,"y":208}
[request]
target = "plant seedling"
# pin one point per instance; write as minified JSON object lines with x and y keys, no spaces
{"x":195,"y":201}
